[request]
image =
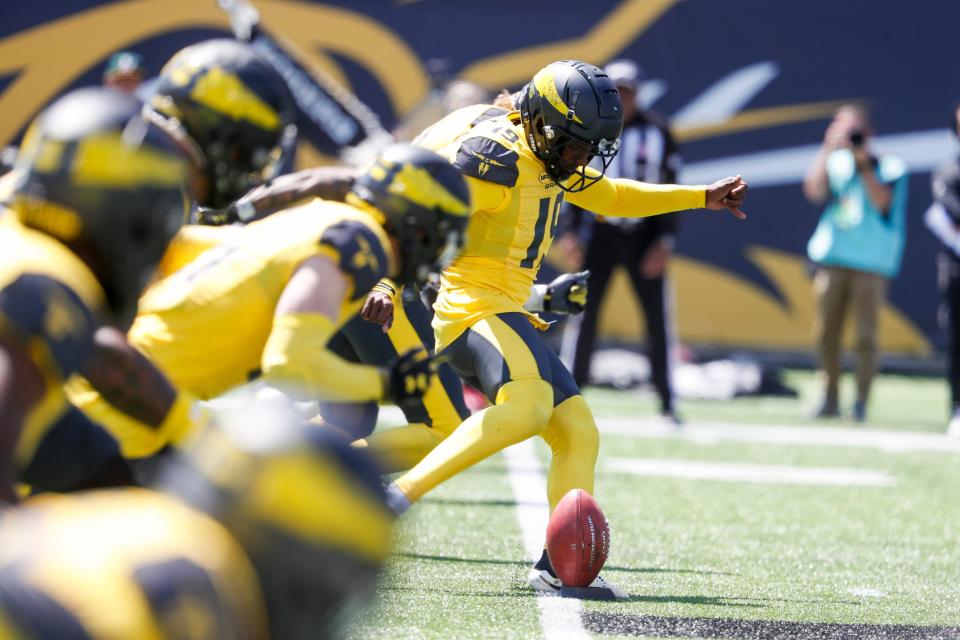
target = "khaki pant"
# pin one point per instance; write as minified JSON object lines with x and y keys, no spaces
{"x":838,"y":288}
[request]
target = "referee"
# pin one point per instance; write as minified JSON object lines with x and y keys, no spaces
{"x":943,"y":219}
{"x":641,"y":245}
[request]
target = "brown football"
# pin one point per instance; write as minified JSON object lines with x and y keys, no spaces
{"x":578,"y":539}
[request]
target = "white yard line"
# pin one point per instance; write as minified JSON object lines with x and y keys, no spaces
{"x":559,"y":617}
{"x":712,"y":432}
{"x":750,"y":473}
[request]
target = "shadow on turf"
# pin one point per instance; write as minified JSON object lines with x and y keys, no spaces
{"x":521,"y":563}
{"x":477,"y":503}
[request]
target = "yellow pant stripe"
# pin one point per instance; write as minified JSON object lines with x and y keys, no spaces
{"x":515,"y":352}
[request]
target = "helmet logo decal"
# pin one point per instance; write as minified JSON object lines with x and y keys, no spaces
{"x":547,"y":86}
{"x":418,"y":186}
{"x":225,"y":93}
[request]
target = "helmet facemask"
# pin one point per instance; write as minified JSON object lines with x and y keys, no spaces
{"x":561,"y":146}
{"x":571,"y":114}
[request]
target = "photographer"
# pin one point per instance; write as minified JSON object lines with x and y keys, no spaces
{"x":857,"y":247}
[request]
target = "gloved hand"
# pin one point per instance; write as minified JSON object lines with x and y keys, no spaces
{"x":567,"y":294}
{"x":410,"y":377}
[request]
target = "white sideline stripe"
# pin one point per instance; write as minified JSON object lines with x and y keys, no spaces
{"x":752,"y":473}
{"x":710,"y":432}
{"x":559,"y":617}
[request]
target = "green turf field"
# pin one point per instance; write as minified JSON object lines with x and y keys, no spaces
{"x":749,"y":522}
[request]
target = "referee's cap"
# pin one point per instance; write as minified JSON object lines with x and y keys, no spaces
{"x":625,"y":73}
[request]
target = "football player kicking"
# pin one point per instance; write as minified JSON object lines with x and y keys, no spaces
{"x":520,"y":166}
{"x":96,"y":195}
{"x":266,"y":529}
{"x":265,"y":300}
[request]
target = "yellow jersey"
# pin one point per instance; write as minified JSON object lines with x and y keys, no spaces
{"x":51,"y":303}
{"x":206,"y":325}
{"x":515,"y":210}
{"x":122,"y":564}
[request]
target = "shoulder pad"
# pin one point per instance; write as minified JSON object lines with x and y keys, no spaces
{"x":491,"y":112}
{"x":487,"y":159}
{"x":39,"y":306}
{"x":361,"y":255}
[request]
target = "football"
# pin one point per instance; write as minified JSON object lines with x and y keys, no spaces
{"x":578,"y":539}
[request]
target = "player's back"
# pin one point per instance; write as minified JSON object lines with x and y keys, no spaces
{"x":206,"y":325}
{"x":51,"y":301}
{"x":446,"y":130}
{"x":121,"y":564}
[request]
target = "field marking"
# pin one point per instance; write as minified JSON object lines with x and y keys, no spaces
{"x":751,"y":473}
{"x":713,"y":432}
{"x":559,"y":617}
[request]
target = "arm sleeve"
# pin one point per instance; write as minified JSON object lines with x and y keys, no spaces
{"x":296,"y":360}
{"x":618,"y":197}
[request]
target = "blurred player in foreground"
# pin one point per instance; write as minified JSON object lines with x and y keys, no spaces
{"x":520,"y":166}
{"x":267,"y":528}
{"x":97,"y":194}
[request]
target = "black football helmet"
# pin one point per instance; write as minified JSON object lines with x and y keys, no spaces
{"x":572,"y":104}
{"x":425,"y":204}
{"x":93,"y":173}
{"x":236,"y":109}
{"x":308,"y":509}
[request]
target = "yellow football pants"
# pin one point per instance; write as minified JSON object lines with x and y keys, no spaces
{"x":534,"y":395}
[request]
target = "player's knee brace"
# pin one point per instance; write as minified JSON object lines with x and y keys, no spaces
{"x":529,"y":402}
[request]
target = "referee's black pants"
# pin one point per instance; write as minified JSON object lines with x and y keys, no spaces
{"x":610,"y":246}
{"x":950,"y":284}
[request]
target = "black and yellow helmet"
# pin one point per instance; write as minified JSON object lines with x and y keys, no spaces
{"x":425,"y":203}
{"x":308,"y":509}
{"x":234,"y":106}
{"x":572,"y":103}
{"x":93,"y":173}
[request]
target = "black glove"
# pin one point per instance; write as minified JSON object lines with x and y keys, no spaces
{"x":567,"y":294}
{"x":410,"y":377}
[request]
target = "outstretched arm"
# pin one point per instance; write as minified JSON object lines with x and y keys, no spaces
{"x":620,"y":197}
{"x":328,"y":183}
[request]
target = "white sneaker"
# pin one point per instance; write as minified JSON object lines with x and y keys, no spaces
{"x":541,"y":581}
{"x":600,"y":583}
{"x":953,"y":428}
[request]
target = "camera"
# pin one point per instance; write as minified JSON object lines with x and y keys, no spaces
{"x":856,"y":138}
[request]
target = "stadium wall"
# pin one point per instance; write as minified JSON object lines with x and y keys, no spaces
{"x":750,"y":86}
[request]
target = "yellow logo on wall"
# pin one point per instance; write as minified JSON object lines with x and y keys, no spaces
{"x":46,"y":58}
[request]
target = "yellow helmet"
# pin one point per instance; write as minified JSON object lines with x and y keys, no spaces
{"x":308,"y":509}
